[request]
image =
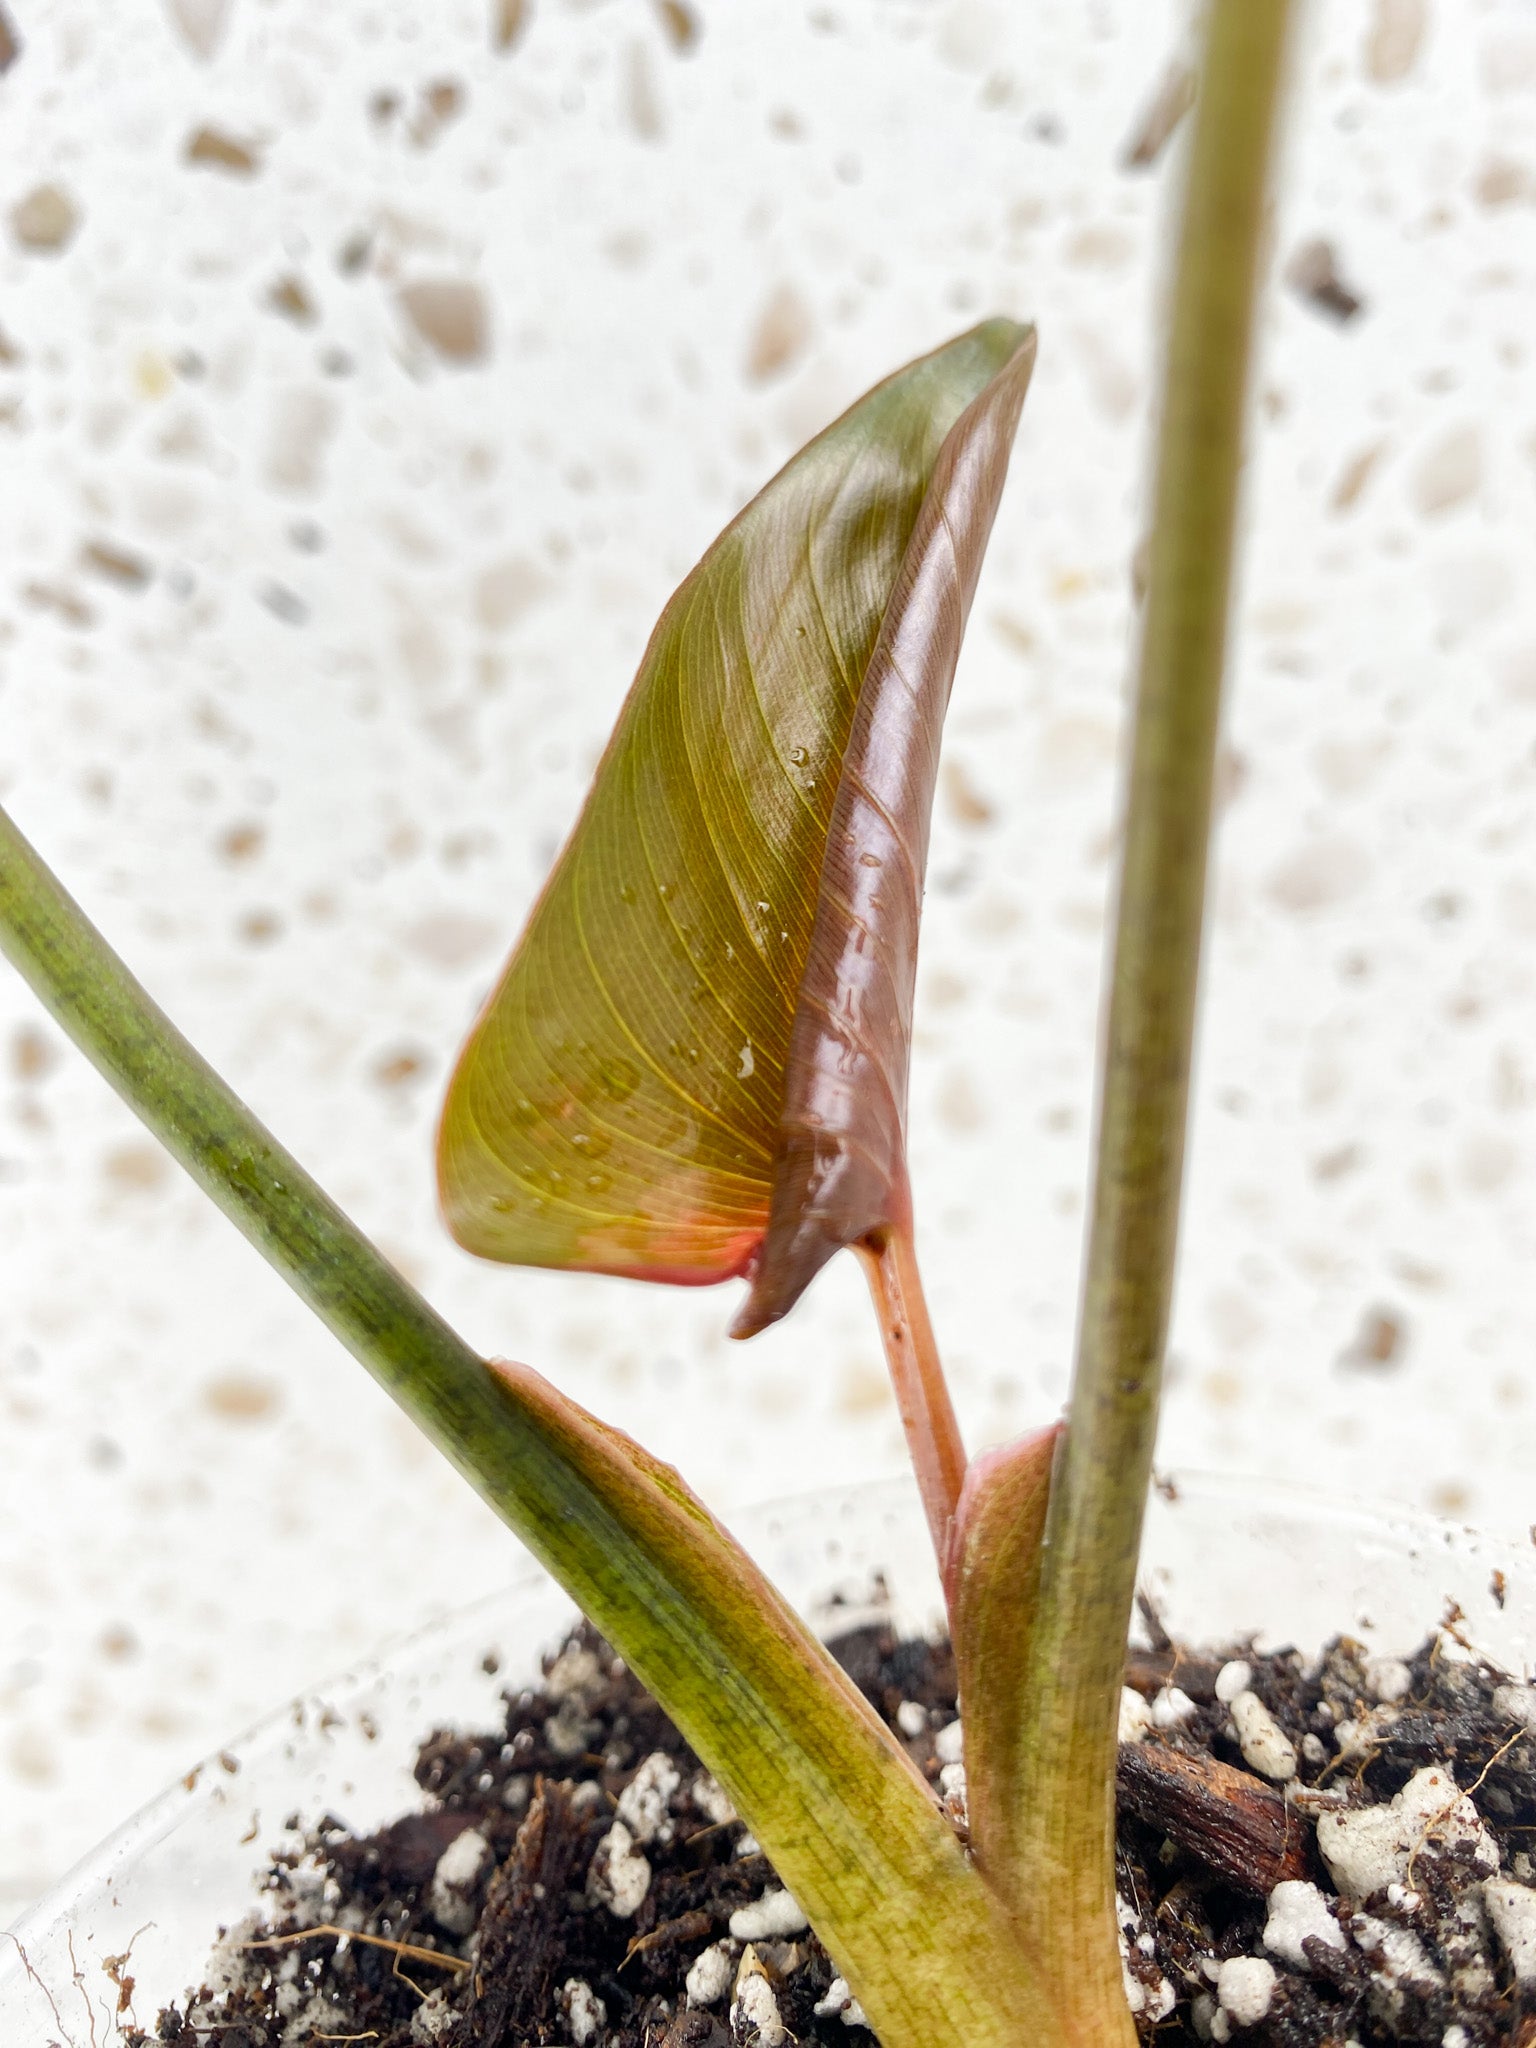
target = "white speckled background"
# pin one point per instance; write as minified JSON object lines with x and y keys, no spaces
{"x":306,"y":727}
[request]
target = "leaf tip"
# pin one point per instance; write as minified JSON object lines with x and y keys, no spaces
{"x":776,"y":1282}
{"x":1007,"y":342}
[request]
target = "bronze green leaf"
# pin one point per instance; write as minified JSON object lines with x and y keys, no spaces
{"x":713,"y":941}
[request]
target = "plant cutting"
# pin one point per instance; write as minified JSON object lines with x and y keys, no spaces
{"x":695,"y":1069}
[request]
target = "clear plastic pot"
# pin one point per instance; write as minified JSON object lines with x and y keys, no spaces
{"x":1222,"y":1559}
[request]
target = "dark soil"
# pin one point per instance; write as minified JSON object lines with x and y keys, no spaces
{"x":517,"y":1938}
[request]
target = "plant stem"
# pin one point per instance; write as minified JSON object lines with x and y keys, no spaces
{"x":1098,"y":1495}
{"x":917,"y":1375}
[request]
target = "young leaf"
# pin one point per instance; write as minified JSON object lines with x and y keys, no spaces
{"x":713,"y":942}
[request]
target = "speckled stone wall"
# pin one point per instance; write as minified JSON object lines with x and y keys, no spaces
{"x":369,"y":373}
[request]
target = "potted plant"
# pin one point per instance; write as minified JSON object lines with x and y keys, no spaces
{"x":682,"y":1078}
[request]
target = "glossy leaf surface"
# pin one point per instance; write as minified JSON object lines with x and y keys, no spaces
{"x":840,"y":1159}
{"x":620,"y":1105}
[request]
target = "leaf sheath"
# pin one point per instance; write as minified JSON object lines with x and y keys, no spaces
{"x":992,"y":1581}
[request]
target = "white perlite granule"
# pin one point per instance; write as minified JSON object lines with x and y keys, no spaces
{"x":1172,"y":1708}
{"x":1152,"y":2002}
{"x":1149,"y":2001}
{"x":644,"y":1801}
{"x":771,"y":1917}
{"x":1232,"y":1679}
{"x":712,"y":1800}
{"x":1298,"y":1912}
{"x":1398,"y":1954}
{"x":1266,"y":1747}
{"x":755,"y":2018}
{"x":1135,"y":1715}
{"x":840,"y":2003}
{"x":1244,"y":1987}
{"x":585,"y":2012}
{"x":1372,"y":1848}
{"x":952,"y":1792}
{"x":459,"y":1869}
{"x":949,"y":1743}
{"x":432,"y":2018}
{"x":1512,"y":1909}
{"x":712,"y":1974}
{"x":619,"y":1875}
{"x":911,"y":1719}
{"x":1388,"y":1679}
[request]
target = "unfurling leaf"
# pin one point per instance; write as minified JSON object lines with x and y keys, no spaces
{"x":701,"y":1041}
